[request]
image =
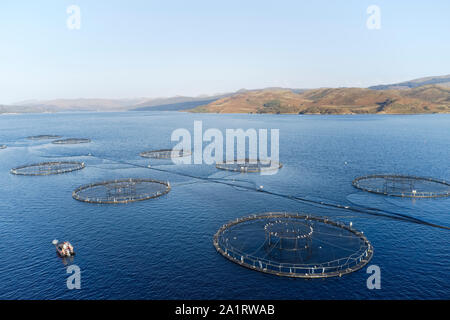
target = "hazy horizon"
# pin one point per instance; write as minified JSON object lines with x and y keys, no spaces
{"x":192,"y":96}
{"x":155,"y":50}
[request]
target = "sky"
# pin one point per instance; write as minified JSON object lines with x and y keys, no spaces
{"x":129,"y":49}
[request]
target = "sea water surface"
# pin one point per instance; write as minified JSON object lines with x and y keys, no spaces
{"x":162,"y":248}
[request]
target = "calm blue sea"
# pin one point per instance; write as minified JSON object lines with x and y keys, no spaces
{"x":162,"y":248}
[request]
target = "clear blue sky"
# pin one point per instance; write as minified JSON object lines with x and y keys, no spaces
{"x":133,"y":48}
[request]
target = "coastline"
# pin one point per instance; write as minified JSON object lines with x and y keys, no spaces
{"x":219,"y":113}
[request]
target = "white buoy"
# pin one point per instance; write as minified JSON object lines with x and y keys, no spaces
{"x":351,"y":224}
{"x":55,"y":242}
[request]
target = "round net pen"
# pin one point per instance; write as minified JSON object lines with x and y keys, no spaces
{"x":249,"y":165}
{"x":72,"y":141}
{"x":403,"y":186}
{"x":44,"y":137}
{"x":293,"y":245}
{"x":47,"y":168}
{"x":165,"y":154}
{"x":121,"y":191}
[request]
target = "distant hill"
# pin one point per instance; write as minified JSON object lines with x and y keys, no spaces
{"x":440,"y":80}
{"x":138,"y":104}
{"x":424,"y":95}
{"x":186,"y":103}
{"x":25,"y":109}
{"x":427,"y":99}
{"x":83,"y":104}
{"x":175,"y":106}
{"x":276,"y":100}
{"x":176,"y":103}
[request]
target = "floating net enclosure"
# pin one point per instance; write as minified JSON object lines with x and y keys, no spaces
{"x":72,"y":141}
{"x":403,"y":186}
{"x":47,"y":168}
{"x":249,"y":165}
{"x":44,"y":137}
{"x":293,"y":245}
{"x":121,"y":191}
{"x":165,"y":154}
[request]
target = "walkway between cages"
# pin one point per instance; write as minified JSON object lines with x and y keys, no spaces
{"x":365,"y":210}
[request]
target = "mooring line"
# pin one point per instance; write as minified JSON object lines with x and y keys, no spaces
{"x":381,"y":213}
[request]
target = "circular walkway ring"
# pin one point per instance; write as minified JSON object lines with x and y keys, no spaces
{"x":165,"y":154}
{"x":48,"y":168}
{"x":405,"y":178}
{"x":249,"y":165}
{"x":72,"y":141}
{"x":112,"y":184}
{"x":44,"y":137}
{"x":308,"y":271}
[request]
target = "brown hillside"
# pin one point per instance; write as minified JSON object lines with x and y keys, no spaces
{"x":433,"y":93}
{"x":427,"y":99}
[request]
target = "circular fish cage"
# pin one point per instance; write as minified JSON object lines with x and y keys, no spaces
{"x":72,"y":141}
{"x":165,"y":154}
{"x":403,"y":186}
{"x":293,"y":245}
{"x":48,"y":168}
{"x":44,"y":137}
{"x":121,"y":191}
{"x":2,"y":146}
{"x":249,"y":165}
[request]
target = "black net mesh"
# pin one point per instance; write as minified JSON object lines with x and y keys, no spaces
{"x":293,"y":245}
{"x":44,"y":137}
{"x":72,"y":141}
{"x":249,"y":165}
{"x":165,"y":154}
{"x":121,"y":191}
{"x":47,"y":168}
{"x":403,"y":186}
